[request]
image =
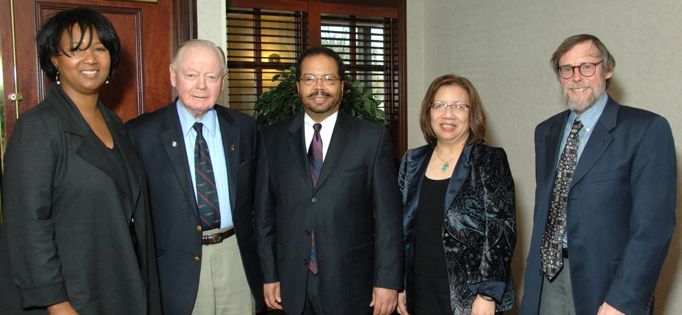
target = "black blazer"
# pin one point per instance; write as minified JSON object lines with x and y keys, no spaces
{"x":355,"y":211}
{"x":160,"y":144}
{"x":67,"y":213}
{"x":620,"y":214}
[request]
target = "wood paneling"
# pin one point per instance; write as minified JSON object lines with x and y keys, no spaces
{"x":149,"y":32}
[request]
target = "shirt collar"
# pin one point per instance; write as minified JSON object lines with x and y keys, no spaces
{"x":327,"y":124}
{"x":210,"y":121}
{"x":590,"y":117}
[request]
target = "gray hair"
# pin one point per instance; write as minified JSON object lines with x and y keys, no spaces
{"x":608,"y":62}
{"x":198,"y":43}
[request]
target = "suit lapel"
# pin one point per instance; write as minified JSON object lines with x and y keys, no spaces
{"x":337,"y":145}
{"x":416,"y":169}
{"x":230,"y":136}
{"x":132,"y":165}
{"x":298,"y":148}
{"x":459,"y":176}
{"x":91,"y":147}
{"x":598,"y":142}
{"x":130,"y":157}
{"x":553,"y":148}
{"x":174,"y":144}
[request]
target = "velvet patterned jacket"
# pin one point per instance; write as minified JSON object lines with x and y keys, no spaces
{"x":479,"y":226}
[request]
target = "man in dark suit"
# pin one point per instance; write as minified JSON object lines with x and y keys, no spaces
{"x":605,"y":195}
{"x":207,"y":258}
{"x":328,"y":179}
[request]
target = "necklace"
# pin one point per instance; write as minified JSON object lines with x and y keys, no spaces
{"x":446,"y":164}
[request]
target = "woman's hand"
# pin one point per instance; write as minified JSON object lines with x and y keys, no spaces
{"x":402,"y":303}
{"x":63,"y":308}
{"x":482,"y":307}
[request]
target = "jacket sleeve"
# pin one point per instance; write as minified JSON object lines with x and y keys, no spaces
{"x":389,"y":249}
{"x":31,"y":165}
{"x":402,"y":177}
{"x":499,"y":238}
{"x":264,"y":210}
{"x":653,"y":182}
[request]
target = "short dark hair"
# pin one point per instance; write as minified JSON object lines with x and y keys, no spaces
{"x":319,"y":50}
{"x":49,"y":38}
{"x":608,"y":62}
{"x":477,"y":121}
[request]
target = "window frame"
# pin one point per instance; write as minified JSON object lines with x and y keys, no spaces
{"x":314,"y":10}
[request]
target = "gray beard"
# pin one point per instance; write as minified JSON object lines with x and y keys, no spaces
{"x":581,"y":107}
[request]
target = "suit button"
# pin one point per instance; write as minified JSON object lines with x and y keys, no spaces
{"x":196,"y":259}
{"x":307,"y":232}
{"x":314,"y":200}
{"x":198,"y":228}
{"x":305,"y":261}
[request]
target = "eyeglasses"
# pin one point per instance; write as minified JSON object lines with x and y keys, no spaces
{"x":586,"y":69}
{"x":312,"y":80}
{"x":457,"y":107}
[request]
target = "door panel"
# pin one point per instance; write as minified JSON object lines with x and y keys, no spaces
{"x":148,"y":32}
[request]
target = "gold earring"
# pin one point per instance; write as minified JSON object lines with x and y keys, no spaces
{"x":57,"y":79}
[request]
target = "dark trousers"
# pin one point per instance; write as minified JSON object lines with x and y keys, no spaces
{"x":313,"y":305}
{"x":431,"y":296}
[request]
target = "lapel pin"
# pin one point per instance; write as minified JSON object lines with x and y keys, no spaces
{"x":174,"y":144}
{"x":232,"y":148}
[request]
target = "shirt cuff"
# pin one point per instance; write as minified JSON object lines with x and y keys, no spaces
{"x":493,"y":289}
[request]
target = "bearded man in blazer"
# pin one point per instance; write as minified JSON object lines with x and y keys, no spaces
{"x":203,"y":269}
{"x":351,"y":207}
{"x":620,"y":205}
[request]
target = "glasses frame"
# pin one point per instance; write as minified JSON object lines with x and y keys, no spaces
{"x":324,"y":82}
{"x":450,"y":106}
{"x":594,"y":64}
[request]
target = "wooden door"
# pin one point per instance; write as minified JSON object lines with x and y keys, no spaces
{"x":149,"y":32}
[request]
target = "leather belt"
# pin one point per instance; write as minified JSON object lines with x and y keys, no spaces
{"x":216,"y":238}
{"x":564,"y":251}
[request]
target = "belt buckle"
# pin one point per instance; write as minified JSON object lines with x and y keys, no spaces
{"x":217,"y":238}
{"x":213,"y":239}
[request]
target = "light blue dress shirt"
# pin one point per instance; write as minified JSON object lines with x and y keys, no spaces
{"x":213,"y":137}
{"x":589,"y":119}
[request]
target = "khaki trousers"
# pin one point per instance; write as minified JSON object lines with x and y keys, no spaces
{"x":223,"y":289}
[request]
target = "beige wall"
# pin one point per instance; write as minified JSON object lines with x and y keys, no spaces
{"x":504,"y":47}
{"x":211,"y":26}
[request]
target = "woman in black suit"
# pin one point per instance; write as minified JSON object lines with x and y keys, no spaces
{"x":77,"y":234}
{"x":459,"y":210}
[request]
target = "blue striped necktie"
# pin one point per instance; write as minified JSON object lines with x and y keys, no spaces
{"x":207,"y":195}
{"x":315,"y":164}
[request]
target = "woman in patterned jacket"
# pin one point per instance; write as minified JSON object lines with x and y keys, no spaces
{"x":459,"y":210}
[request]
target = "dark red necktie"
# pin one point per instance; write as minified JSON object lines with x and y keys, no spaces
{"x":315,"y":164}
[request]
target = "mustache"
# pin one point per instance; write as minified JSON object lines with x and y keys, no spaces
{"x":320,"y":93}
{"x":578,"y":86}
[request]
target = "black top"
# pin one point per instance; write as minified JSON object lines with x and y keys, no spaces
{"x":429,"y":252}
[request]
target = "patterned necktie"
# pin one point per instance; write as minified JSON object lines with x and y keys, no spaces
{"x":553,"y":239}
{"x":315,"y":164}
{"x":207,"y":196}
